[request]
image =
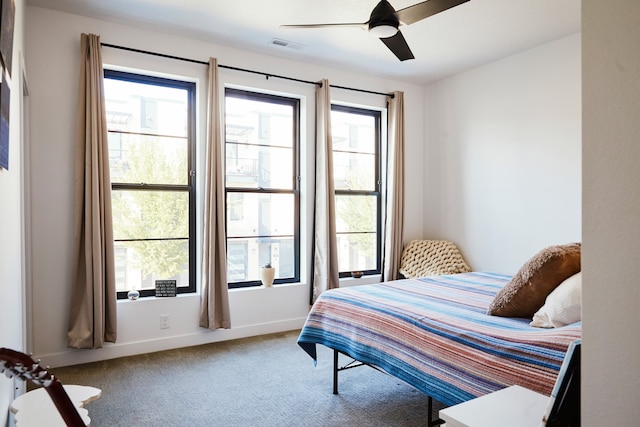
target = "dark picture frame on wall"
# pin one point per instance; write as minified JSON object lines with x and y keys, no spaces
{"x":7,"y":11}
{"x":5,"y":98}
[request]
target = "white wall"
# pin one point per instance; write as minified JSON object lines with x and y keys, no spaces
{"x":611,"y":213}
{"x":53,"y":61}
{"x":610,"y":177}
{"x":502,"y":157}
{"x":12,"y":276}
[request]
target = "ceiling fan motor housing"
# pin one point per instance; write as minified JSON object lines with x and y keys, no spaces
{"x":383,"y":15}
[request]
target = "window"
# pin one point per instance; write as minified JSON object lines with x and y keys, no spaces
{"x":356,"y":140}
{"x":262,"y":186}
{"x":151,"y":128}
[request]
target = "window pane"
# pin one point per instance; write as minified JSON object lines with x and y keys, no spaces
{"x":354,"y":138}
{"x":354,"y":171}
{"x":150,"y":215}
{"x":259,"y":214}
{"x":146,"y":108}
{"x":259,"y":122}
{"x":140,"y":263}
{"x":245,"y":256}
{"x":237,"y":260}
{"x":148,"y":159}
{"x":151,"y":231}
{"x":255,"y":166}
{"x":259,"y":144}
{"x":356,"y":222}
{"x":356,"y":252}
{"x":356,"y":213}
{"x":353,"y":132}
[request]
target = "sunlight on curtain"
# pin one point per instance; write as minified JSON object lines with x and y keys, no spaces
{"x":394,"y":218}
{"x":325,"y":262}
{"x":214,"y":303}
{"x":92,"y":316}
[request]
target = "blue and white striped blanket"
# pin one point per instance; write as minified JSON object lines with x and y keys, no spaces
{"x":434,"y":334}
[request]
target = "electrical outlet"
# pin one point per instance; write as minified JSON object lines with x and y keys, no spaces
{"x":164,"y":321}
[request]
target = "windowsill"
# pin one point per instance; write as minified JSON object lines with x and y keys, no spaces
{"x":344,"y":282}
{"x":280,"y":285}
{"x":364,"y":280}
{"x":197,"y":294}
{"x":145,"y":299}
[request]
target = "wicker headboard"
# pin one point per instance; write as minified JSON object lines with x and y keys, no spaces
{"x":422,"y":258}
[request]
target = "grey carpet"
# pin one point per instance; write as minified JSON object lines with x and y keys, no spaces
{"x":260,"y":381}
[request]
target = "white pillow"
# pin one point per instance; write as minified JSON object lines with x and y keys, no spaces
{"x":563,"y":305}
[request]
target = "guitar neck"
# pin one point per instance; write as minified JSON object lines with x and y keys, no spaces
{"x":65,"y":406}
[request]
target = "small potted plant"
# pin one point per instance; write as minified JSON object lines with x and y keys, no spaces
{"x":267,"y":275}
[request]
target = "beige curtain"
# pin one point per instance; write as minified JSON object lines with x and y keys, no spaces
{"x":394,"y":216}
{"x":325,"y":262}
{"x":92,"y":316}
{"x":214,"y":303}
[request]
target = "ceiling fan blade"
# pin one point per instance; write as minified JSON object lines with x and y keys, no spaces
{"x":419,"y":11}
{"x":398,"y":45}
{"x":362,"y":25}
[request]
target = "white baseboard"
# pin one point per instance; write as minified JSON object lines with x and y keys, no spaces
{"x":115,"y":350}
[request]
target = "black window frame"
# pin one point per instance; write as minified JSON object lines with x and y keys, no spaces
{"x":377,"y":115}
{"x":296,"y":179}
{"x":189,"y":188}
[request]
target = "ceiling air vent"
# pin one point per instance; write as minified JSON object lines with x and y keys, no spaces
{"x":286,"y":43}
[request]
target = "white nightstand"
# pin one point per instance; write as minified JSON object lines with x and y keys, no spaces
{"x":509,"y":407}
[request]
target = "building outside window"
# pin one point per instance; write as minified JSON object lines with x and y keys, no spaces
{"x":356,"y":134}
{"x":151,"y":130}
{"x":262,"y":186}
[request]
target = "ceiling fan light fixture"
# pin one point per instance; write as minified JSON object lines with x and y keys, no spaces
{"x":383,"y":31}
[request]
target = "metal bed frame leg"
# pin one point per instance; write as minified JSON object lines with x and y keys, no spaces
{"x":335,"y":371}
{"x":432,"y":422}
{"x":337,"y":368}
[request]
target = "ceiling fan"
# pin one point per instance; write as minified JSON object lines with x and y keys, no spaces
{"x":385,"y":20}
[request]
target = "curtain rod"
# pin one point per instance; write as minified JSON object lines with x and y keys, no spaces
{"x":267,"y":75}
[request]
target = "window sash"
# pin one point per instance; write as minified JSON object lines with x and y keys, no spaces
{"x":167,"y":186}
{"x":257,"y":220}
{"x":359,"y":237}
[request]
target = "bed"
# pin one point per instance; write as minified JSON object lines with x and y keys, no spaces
{"x":434,"y":333}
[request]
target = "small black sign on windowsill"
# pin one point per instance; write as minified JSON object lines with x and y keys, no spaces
{"x":165,"y":288}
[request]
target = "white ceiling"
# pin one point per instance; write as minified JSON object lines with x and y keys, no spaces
{"x":466,"y":36}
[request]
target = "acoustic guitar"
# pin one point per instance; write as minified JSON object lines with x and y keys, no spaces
{"x":13,"y":362}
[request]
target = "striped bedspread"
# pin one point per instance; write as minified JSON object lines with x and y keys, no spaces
{"x":434,"y":334}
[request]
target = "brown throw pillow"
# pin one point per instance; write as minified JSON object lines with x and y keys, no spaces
{"x":527,"y":290}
